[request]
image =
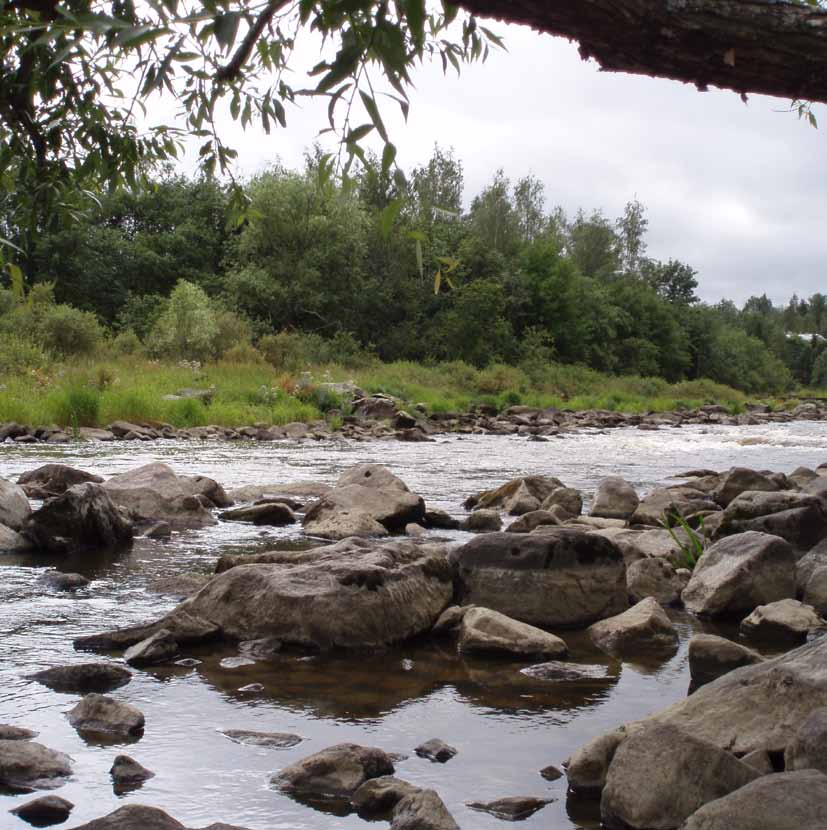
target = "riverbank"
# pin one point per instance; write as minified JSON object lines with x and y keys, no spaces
{"x":137,"y":398}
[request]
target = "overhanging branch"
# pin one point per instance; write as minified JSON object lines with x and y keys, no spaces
{"x":771,"y":47}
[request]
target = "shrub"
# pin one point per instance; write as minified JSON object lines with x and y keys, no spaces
{"x":242,"y":353}
{"x":499,"y":378}
{"x":819,"y":374}
{"x":187,"y":328}
{"x":19,"y":354}
{"x":296,"y":350}
{"x":76,"y":406}
{"x":67,"y":331}
{"x":231,"y":330}
{"x":126,"y":343}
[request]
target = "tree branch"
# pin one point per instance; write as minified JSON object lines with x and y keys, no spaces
{"x":771,"y":47}
{"x":233,"y":69}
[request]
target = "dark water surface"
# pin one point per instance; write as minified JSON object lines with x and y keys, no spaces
{"x":506,"y":725}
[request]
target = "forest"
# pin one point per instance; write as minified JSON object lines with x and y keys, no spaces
{"x":384,"y":267}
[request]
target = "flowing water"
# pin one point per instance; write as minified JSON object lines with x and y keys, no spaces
{"x":506,"y":725}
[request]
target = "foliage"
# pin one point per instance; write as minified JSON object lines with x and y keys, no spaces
{"x":19,"y":354}
{"x":691,"y":543}
{"x":76,"y":406}
{"x":67,"y":331}
{"x":187,"y":328}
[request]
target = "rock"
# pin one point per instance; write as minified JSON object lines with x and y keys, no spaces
{"x":484,"y":632}
{"x":514,"y":808}
{"x":414,"y":530}
{"x":648,"y":544}
{"x":351,"y":594}
{"x":99,"y":715}
{"x":15,"y":733}
{"x":664,"y":504}
{"x":82,"y":678}
{"x":653,"y":578}
{"x":740,"y":480}
{"x":440,"y":520}
{"x":128,"y":774}
{"x":710,"y":657}
{"x":423,"y":810}
{"x":660,"y":775}
{"x":160,"y":647}
{"x":83,"y":517}
{"x":302,"y":489}
{"x":482,"y":521}
{"x":759,"y":760}
{"x":263,"y":649}
{"x":815,"y":591}
{"x":551,"y":773}
{"x":566,"y":498}
{"x":644,"y":627}
{"x":92,"y":434}
{"x":185,"y":628}
{"x":799,"y":518}
{"x":785,"y":619}
{"x":372,"y":475}
{"x":134,"y":817}
{"x":518,"y":496}
{"x":564,"y":577}
{"x":269,"y":740}
{"x":12,"y":542}
{"x":615,"y":499}
{"x":63,"y":581}
{"x":272,"y":513}
{"x":155,"y":493}
{"x":342,"y":524}
{"x":588,"y":767}
{"x":44,"y":811}
{"x":335,"y":772}
{"x":786,"y":801}
{"x":380,"y":795}
{"x":375,"y":408}
{"x":557,"y":672}
{"x":450,"y":619}
{"x":14,"y":506}
{"x":157,"y":530}
{"x":436,"y":750}
{"x":53,"y":480}
{"x":180,"y":585}
{"x":739,"y":573}
{"x":808,"y":748}
{"x":535,"y":518}
{"x":808,"y":564}
{"x":26,"y":766}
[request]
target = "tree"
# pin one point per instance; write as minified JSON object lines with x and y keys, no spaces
{"x":674,"y":281}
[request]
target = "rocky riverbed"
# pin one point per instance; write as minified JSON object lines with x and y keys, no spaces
{"x":517,"y":601}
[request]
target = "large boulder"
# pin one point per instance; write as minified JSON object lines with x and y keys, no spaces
{"x":100,"y":715}
{"x":799,"y":518}
{"x":643,"y":628}
{"x":273,"y":513}
{"x":808,"y":564}
{"x":489,"y":632}
{"x":351,"y":594}
{"x":155,"y":493}
{"x":14,"y":506}
{"x":82,"y":678}
{"x":654,"y":577}
{"x":739,"y":573}
{"x":785,"y":619}
{"x":44,"y":811}
{"x":587,"y":769}
{"x":666,"y":504}
{"x":12,"y":542}
{"x":423,"y":810}
{"x":53,"y":480}
{"x":711,"y":656}
{"x":564,"y":577}
{"x":134,"y":817}
{"x":815,"y":591}
{"x":660,"y":775}
{"x":785,"y":801}
{"x":26,"y":766}
{"x":615,"y":499}
{"x":518,"y":496}
{"x":648,"y":544}
{"x":741,"y":480}
{"x":380,"y":795}
{"x":808,"y":748}
{"x":335,"y":772}
{"x":84,"y":517}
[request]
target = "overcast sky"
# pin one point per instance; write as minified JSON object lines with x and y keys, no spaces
{"x":737,"y":191}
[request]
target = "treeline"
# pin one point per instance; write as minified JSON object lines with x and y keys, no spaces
{"x":395,"y":267}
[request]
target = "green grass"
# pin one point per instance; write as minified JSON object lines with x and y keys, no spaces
{"x":132,"y":388}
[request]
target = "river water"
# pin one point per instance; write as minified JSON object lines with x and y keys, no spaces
{"x":505,"y":725}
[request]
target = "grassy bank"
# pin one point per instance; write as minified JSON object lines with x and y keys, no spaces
{"x":100,"y":391}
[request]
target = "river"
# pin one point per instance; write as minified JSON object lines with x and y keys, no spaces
{"x":505,"y":725}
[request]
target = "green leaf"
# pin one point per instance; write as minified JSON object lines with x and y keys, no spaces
{"x":419,"y":263}
{"x":226,"y":28}
{"x":388,"y":157}
{"x":388,"y":216}
{"x":415,"y":13}
{"x":437,"y":282}
{"x":358,"y":133}
{"x":373,"y":112}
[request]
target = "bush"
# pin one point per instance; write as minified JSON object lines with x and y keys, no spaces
{"x":126,"y":343}
{"x":187,"y":328}
{"x":19,"y":354}
{"x":76,"y":406}
{"x":819,"y":374}
{"x":231,"y":330}
{"x":68,"y":332}
{"x":243,"y":353}
{"x":296,"y":350}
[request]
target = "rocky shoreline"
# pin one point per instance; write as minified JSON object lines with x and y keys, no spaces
{"x":745,"y":750}
{"x":380,"y":417}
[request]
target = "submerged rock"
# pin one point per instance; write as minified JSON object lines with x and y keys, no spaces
{"x":83,"y":678}
{"x":513,"y":808}
{"x":63,"y":581}
{"x":564,"y":577}
{"x":100,"y":715}
{"x":644,"y":627}
{"x":335,"y":772}
{"x":160,"y":647}
{"x":484,"y":631}
{"x":273,"y":513}
{"x":422,"y":810}
{"x":436,"y":750}
{"x":134,"y":817}
{"x":128,"y":774}
{"x":270,"y":740}
{"x":44,"y":811}
{"x":26,"y":766}
{"x":16,"y":733}
{"x":380,"y":795}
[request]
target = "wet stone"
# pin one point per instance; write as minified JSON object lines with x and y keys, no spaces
{"x":556,"y":670}
{"x":436,"y":750}
{"x":514,"y":808}
{"x":15,"y":733}
{"x":551,"y":773}
{"x":270,"y":740}
{"x":128,"y":774}
{"x":44,"y":811}
{"x":83,"y":678}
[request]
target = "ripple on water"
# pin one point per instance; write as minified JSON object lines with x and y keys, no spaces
{"x":506,"y":725}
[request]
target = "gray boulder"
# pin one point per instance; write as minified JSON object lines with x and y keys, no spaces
{"x":516,"y":497}
{"x":44,"y":811}
{"x":12,"y":542}
{"x":785,"y":801}
{"x":160,"y":647}
{"x":436,"y":750}
{"x":785,"y":619}
{"x":274,"y":514}
{"x":511,"y":808}
{"x":711,"y":656}
{"x":127,"y":773}
{"x":16,"y":733}
{"x":134,"y":817}
{"x":335,"y":772}
{"x":423,"y":810}
{"x":485,"y":632}
{"x":82,"y":678}
{"x":808,"y":564}
{"x":100,"y":715}
{"x":615,"y":499}
{"x":26,"y":766}
{"x":643,"y":628}
{"x":380,"y":795}
{"x":564,"y":577}
{"x":483,"y":521}
{"x":59,"y":581}
{"x":268,"y":740}
{"x":179,"y":585}
{"x":84,"y":517}
{"x":739,"y":573}
{"x":808,"y":748}
{"x":372,"y":475}
{"x":741,"y":480}
{"x":665,"y":504}
{"x":653,"y":577}
{"x":529,"y":521}
{"x":587,"y":769}
{"x":352,"y":594}
{"x":815,"y":591}
{"x":14,"y":506}
{"x":660,"y":775}
{"x":53,"y":480}
{"x":566,"y":499}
